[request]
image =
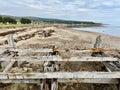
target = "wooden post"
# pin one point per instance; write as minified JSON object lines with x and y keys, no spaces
{"x":40,"y":85}
{"x":97,"y":42}
{"x":119,"y":85}
{"x":11,"y":41}
{"x":50,"y":66}
{"x":54,"y":84}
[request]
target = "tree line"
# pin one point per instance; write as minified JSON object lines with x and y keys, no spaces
{"x":10,"y":20}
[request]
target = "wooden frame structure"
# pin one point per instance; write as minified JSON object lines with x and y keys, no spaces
{"x":76,"y":77}
{"x":80,"y":77}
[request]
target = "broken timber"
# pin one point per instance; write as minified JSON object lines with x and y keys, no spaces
{"x":61,"y":75}
{"x":54,"y":58}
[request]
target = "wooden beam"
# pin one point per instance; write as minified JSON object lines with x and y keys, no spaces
{"x":110,"y":66}
{"x":61,"y":75}
{"x":107,"y":66}
{"x":99,"y":81}
{"x":27,"y":50}
{"x":113,"y":66}
{"x":58,"y":58}
{"x":50,"y":50}
{"x":8,"y":67}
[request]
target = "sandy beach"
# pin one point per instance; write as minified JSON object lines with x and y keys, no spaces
{"x":63,"y":39}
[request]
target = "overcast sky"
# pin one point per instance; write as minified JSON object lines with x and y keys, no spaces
{"x":104,"y":11}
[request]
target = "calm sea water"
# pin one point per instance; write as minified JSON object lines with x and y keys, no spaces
{"x":111,"y":30}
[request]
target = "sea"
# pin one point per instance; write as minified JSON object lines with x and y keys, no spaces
{"x":111,"y":30}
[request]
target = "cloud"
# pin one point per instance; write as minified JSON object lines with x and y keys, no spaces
{"x":69,"y":4}
{"x":65,"y":9}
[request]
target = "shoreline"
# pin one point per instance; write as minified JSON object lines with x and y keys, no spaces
{"x":101,"y":30}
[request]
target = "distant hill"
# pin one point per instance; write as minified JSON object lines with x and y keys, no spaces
{"x":49,"y":20}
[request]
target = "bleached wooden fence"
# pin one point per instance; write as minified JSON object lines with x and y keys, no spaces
{"x":107,"y":77}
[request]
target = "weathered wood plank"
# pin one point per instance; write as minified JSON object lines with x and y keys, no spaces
{"x":58,"y":58}
{"x":50,"y":50}
{"x":63,"y":75}
{"x":27,"y":50}
{"x":3,"y":76}
{"x":100,"y":81}
{"x":8,"y":67}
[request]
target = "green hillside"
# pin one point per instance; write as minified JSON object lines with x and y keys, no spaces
{"x":49,"y":20}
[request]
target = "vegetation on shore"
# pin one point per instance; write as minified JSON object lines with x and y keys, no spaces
{"x":9,"y":20}
{"x":6,"y":20}
{"x":37,"y":20}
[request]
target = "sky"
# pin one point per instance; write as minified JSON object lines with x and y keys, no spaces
{"x":101,"y":11}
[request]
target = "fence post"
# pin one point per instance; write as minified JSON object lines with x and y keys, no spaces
{"x":11,"y":41}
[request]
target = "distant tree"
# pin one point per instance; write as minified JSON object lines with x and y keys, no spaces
{"x":1,"y":19}
{"x":9,"y":20}
{"x":25,"y":21}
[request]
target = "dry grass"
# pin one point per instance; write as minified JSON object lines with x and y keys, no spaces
{"x":22,"y":25}
{"x":13,"y":25}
